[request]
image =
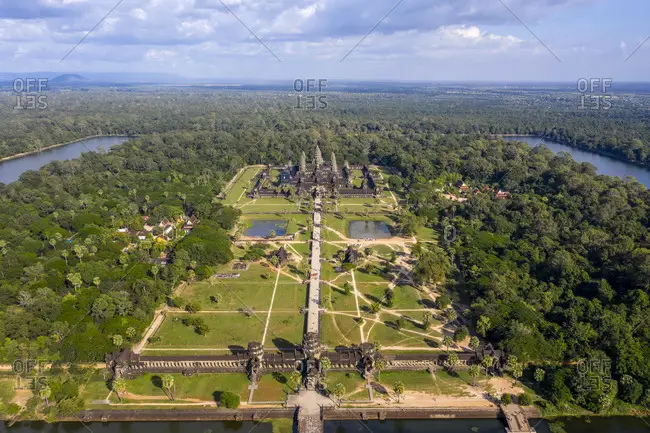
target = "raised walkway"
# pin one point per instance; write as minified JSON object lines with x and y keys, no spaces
{"x":313,"y":306}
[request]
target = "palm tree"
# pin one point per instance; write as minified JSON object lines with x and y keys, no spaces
{"x":45,"y":392}
{"x":119,"y":386}
{"x":380,"y":365}
{"x":118,"y":340}
{"x":452,"y":361}
{"x":539,"y":375}
{"x":474,"y":372}
{"x":325,"y":364}
{"x":398,"y":389}
{"x":517,"y":371}
{"x":339,"y":391}
{"x":474,"y":343}
{"x":483,"y":325}
{"x":65,"y":255}
{"x":426,"y":320}
{"x":295,"y":379}
{"x":154,"y":271}
{"x":487,"y":363}
{"x":447,"y":341}
{"x":168,"y":384}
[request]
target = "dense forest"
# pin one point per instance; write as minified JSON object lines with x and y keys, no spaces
{"x":558,"y":273}
{"x":622,"y":131}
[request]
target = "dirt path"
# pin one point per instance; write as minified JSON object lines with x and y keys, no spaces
{"x":356,"y":300}
{"x":300,"y":256}
{"x":268,"y":317}
{"x":157,"y":322}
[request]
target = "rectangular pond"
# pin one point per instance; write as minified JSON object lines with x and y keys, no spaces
{"x":263,"y":228}
{"x":369,"y":229}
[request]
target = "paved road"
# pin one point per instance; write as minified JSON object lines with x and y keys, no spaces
{"x":314,"y":279}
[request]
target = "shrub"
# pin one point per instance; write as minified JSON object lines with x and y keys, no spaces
{"x":229,"y":400}
{"x":525,"y":400}
{"x":506,"y":399}
{"x":461,"y":334}
{"x":193,"y":307}
{"x":443,"y":301}
{"x":630,"y":389}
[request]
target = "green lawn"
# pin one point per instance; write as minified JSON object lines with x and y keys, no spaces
{"x":204,"y":386}
{"x":339,"y":300}
{"x":414,"y":381}
{"x":373,"y":293}
{"x":226,"y":329}
{"x":243,"y":183}
{"x":290,"y":297}
{"x":441,"y":383}
{"x":369,"y":274}
{"x":386,"y":333}
{"x":427,"y":234}
{"x":304,"y":249}
{"x":272,"y":387}
{"x":95,"y":389}
{"x":266,"y":205}
{"x":327,"y":271}
{"x":185,"y":353}
{"x":285,"y":330}
{"x":384,"y":251}
{"x":346,"y":334}
{"x":233,"y":295}
{"x":408,"y":297}
{"x":355,"y":385}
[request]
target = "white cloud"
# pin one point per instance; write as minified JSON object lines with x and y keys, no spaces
{"x":138,"y":14}
{"x":160,"y":55}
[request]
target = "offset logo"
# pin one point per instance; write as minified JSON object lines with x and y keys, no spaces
{"x":30,"y":93}
{"x":594,"y":93}
{"x":29,"y":373}
{"x":595,"y":374}
{"x":310,"y":93}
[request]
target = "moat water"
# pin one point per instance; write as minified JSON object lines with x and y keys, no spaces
{"x":263,"y":228}
{"x":369,"y":229}
{"x":11,"y":170}
{"x":592,"y":425}
{"x":604,"y":164}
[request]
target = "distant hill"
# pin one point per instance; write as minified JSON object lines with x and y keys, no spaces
{"x":68,"y":78}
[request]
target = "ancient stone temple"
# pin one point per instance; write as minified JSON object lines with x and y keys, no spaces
{"x":255,"y":358}
{"x":311,"y":349}
{"x":305,"y":177}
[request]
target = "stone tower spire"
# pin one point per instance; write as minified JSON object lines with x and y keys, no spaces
{"x":319,"y":157}
{"x":335,"y":167}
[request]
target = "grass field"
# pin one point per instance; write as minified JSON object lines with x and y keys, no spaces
{"x":440,"y":383}
{"x":290,"y":297}
{"x":203,"y":387}
{"x":242,"y":184}
{"x":268,"y":205}
{"x":339,"y":301}
{"x":272,"y":387}
{"x":285,"y":330}
{"x":355,"y":385}
{"x":387,"y":333}
{"x":226,"y":329}
{"x":339,"y":330}
{"x":250,"y":290}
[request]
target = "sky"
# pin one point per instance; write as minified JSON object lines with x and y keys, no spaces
{"x":408,"y":40}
